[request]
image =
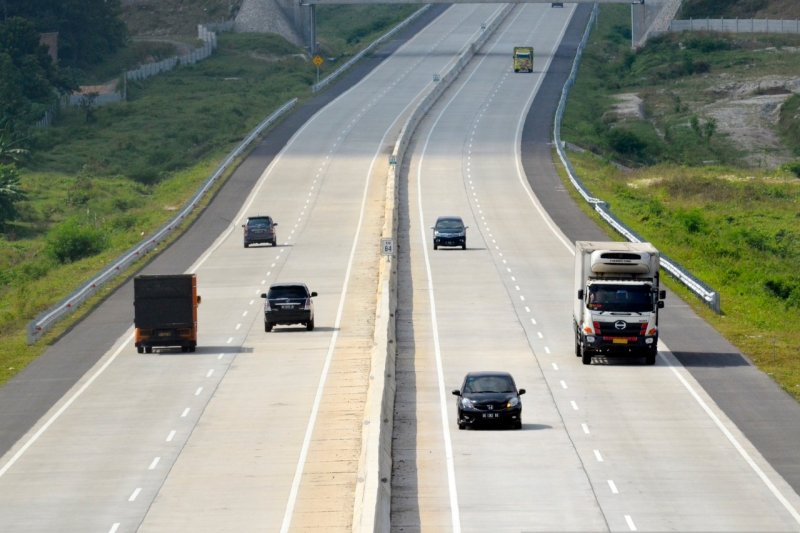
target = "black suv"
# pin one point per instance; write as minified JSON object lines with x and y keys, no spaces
{"x":449,"y":231}
{"x":288,"y":303}
{"x":259,"y":229}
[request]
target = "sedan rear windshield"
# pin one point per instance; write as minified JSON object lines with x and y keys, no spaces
{"x":258,"y":224}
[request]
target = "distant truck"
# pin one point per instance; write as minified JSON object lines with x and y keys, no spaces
{"x":523,"y":59}
{"x":618,"y":299}
{"x":165,"y":311}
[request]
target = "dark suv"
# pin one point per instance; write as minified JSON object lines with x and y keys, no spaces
{"x":259,"y":229}
{"x":449,"y":231}
{"x":288,"y":303}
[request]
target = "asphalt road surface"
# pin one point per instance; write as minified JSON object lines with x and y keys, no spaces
{"x":261,"y":431}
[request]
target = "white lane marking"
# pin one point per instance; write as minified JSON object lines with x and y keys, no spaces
{"x":154,"y":463}
{"x":135,"y":494}
{"x":555,"y":366}
{"x":533,"y":321}
{"x":746,"y":456}
{"x":563,"y":384}
{"x":114,"y":527}
{"x":238,"y":326}
{"x":171,"y":435}
{"x":612,"y":486}
{"x":210,"y":373}
{"x":546,"y":350}
{"x":573,"y":404}
{"x":258,"y":291}
{"x":585,"y":428}
{"x":250,"y":303}
{"x":185,"y":412}
{"x":63,"y":408}
{"x":539,"y":334}
{"x":521,"y":297}
{"x":245,"y":313}
{"x":312,"y":420}
{"x":527,"y":310}
{"x":220,"y":356}
{"x":629,"y":520}
{"x":598,"y":456}
{"x":230,"y":340}
{"x":198,"y":391}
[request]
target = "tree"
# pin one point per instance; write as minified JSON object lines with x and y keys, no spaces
{"x":27,"y":74}
{"x":88,"y":30}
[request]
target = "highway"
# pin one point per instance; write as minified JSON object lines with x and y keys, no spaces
{"x":262,"y":431}
{"x":615,"y":446}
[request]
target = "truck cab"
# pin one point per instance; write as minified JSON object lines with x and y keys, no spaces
{"x":523,"y":59}
{"x":618,"y":300}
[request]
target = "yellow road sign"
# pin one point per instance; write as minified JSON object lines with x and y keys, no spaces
{"x":317,"y":60}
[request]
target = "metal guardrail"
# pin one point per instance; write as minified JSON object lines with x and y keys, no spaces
{"x":45,"y":320}
{"x":703,"y":291}
{"x":38,"y":326}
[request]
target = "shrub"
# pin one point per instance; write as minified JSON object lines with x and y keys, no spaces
{"x":627,"y":143}
{"x":71,"y":241}
{"x":793,"y":167}
{"x":693,"y":220}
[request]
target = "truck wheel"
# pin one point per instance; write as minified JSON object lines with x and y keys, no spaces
{"x":184,"y":349}
{"x":464,"y":246}
{"x":577,"y":349}
{"x":310,"y":325}
{"x":274,"y":242}
{"x":267,"y":326}
{"x":435,"y":246}
{"x":246,"y":245}
{"x":140,"y":349}
{"x":192,"y":348}
{"x":650,"y":357}
{"x":586,"y":356}
{"x":148,"y":349}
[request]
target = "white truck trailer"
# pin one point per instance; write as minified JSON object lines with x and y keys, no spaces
{"x":618,"y":299}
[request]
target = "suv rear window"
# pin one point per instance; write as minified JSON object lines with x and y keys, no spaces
{"x":287,"y":292}
{"x":259,"y":223}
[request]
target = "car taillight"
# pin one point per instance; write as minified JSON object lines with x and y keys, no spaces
{"x":307,"y":306}
{"x":267,"y":306}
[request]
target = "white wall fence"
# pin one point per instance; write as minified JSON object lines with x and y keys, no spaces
{"x":736,"y":25}
{"x":112,"y":92}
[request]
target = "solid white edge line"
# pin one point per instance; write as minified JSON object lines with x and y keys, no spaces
{"x":559,"y":235}
{"x":64,"y":407}
{"x":289,"y":511}
{"x":454,"y":511}
{"x":737,"y":446}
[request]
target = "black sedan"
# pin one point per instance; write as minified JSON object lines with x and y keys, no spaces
{"x":491,"y":398}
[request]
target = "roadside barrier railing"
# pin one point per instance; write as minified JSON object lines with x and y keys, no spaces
{"x":703,"y":291}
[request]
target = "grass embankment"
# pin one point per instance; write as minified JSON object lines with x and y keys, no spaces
{"x":736,"y":228}
{"x":97,"y":182}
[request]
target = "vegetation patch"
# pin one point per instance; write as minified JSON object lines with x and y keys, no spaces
{"x":701,"y":195}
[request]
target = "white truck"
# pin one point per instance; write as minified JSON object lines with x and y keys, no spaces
{"x":618,"y":298}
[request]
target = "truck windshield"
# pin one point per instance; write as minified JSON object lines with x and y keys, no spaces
{"x":624,"y":298}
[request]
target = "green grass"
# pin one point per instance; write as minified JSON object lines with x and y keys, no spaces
{"x":677,"y":77}
{"x":125,"y":169}
{"x":735,"y":228}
